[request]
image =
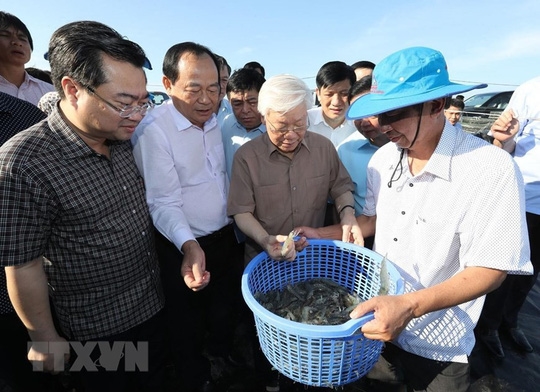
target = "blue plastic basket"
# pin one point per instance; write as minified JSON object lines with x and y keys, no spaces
{"x":318,"y":355}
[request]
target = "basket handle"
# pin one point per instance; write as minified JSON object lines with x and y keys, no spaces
{"x":351,"y":326}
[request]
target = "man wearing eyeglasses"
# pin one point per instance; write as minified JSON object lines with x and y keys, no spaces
{"x":430,"y":201}
{"x":283,"y":179}
{"x":77,"y":227}
{"x":179,"y":152}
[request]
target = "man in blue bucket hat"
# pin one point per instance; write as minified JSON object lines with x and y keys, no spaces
{"x":430,"y":203}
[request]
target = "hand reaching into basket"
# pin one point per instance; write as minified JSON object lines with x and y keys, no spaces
{"x":392,"y":314}
{"x":284,"y":247}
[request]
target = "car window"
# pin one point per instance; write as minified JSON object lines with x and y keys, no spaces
{"x":478,"y":99}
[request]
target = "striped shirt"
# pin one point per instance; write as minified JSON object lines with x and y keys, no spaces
{"x":87,"y":215}
{"x":448,"y":217}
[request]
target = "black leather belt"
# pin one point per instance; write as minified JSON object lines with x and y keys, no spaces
{"x":216,"y":235}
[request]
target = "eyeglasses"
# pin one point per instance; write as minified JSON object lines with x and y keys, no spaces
{"x":284,"y":131}
{"x":396,"y":115}
{"x":127,"y":111}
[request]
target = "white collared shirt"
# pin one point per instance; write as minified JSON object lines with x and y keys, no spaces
{"x":183,"y":167}
{"x":448,"y":217}
{"x":31,"y":90}
{"x":337,"y":135}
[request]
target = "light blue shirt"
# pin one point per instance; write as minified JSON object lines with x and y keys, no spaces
{"x":224,"y":110}
{"x":235,"y":135}
{"x":355,"y":153}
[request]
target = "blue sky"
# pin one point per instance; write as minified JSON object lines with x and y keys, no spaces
{"x":496,"y":42}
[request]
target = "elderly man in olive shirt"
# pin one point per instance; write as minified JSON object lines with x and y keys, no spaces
{"x":284,"y":178}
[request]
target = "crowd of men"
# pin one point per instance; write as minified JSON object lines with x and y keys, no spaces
{"x":125,"y":222}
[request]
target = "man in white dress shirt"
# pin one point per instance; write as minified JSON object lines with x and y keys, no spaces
{"x":16,"y":47}
{"x":179,"y":152}
{"x":430,"y":200}
{"x":334,"y":80}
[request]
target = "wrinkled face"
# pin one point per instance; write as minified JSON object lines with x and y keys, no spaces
{"x":14,"y":47}
{"x":287,"y":130}
{"x":195,"y":93}
{"x":223,"y":80}
{"x":125,"y":89}
{"x":334,"y":100}
{"x":244,"y":106}
{"x":453,"y":114}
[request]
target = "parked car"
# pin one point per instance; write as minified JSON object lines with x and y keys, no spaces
{"x":487,"y":105}
{"x":158,"y":97}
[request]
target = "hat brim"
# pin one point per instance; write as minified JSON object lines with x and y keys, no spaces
{"x":373,"y":103}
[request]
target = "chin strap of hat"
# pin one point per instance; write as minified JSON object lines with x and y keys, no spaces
{"x":417,"y":127}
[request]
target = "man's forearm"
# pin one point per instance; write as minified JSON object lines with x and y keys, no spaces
{"x":251,"y":227}
{"x":28,"y":291}
{"x":469,"y":284}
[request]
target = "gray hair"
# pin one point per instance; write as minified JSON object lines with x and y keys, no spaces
{"x":283,"y":93}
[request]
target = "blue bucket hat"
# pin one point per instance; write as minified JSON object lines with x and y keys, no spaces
{"x":405,"y":78}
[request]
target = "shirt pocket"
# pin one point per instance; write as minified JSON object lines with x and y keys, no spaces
{"x":317,"y":192}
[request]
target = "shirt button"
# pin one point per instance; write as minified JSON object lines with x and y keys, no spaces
{"x":411,"y":184}
{"x":143,"y":233}
{"x":293,"y":188}
{"x":402,"y":212}
{"x":134,"y":211}
{"x":395,"y":239}
{"x":125,"y":188}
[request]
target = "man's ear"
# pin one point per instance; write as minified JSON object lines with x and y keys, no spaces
{"x":166,"y":83}
{"x":437,"y":105}
{"x":71,"y":89}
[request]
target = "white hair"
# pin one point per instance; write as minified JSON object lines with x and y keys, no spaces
{"x":283,"y":93}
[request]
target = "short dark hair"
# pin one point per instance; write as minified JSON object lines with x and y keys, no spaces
{"x":255,"y":65}
{"x":244,"y":79}
{"x":76,"y":50}
{"x":362,"y":85}
{"x":363,"y":64}
{"x":40,"y":74}
{"x":9,"y":20}
{"x":170,"y":62}
{"x":334,"y":72}
{"x":458,"y":103}
{"x":223,"y":63}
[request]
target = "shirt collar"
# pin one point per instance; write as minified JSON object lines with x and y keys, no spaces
{"x":272,"y":148}
{"x":183,"y":124}
{"x":260,"y":129}
{"x":441,"y":159}
{"x":72,"y":145}
{"x":317,"y":117}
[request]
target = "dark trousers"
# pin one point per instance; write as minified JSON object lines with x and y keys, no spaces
{"x":502,"y":305}
{"x":204,"y":321}
{"x":15,"y":369}
{"x":399,"y":370}
{"x":151,"y":331}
